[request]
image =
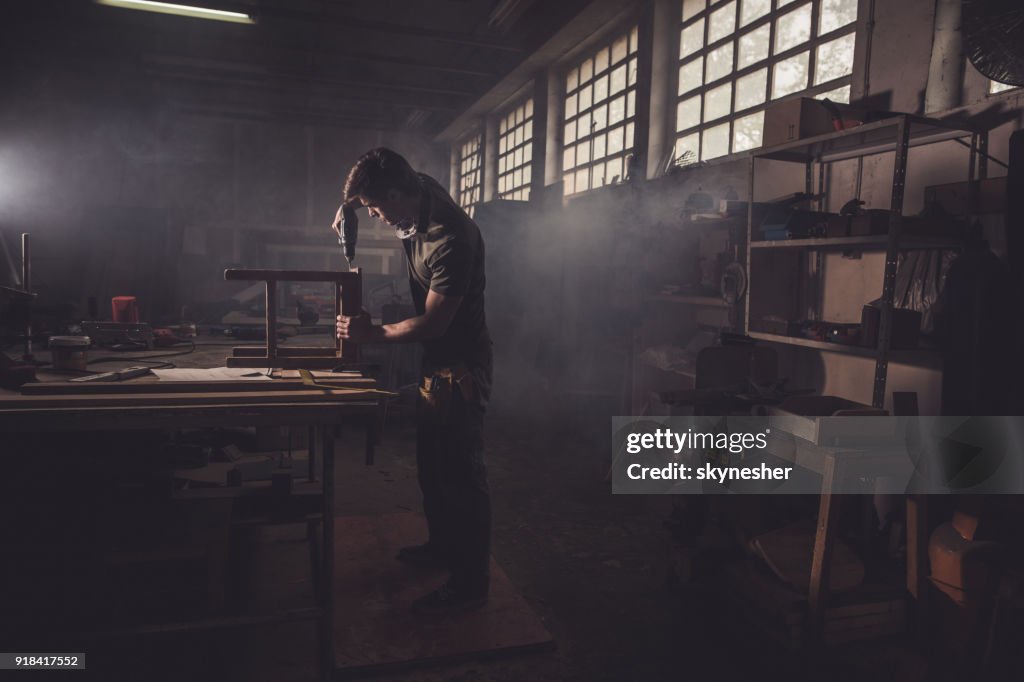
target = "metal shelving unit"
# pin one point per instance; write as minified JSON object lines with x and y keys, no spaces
{"x":897,"y":135}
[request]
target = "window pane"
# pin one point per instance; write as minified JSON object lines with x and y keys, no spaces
{"x":529,"y":108}
{"x":633,"y":70}
{"x":996,"y":86}
{"x":570,"y":107}
{"x":528,"y":130}
{"x":688,"y":113}
{"x":691,"y":75}
{"x":692,"y":38}
{"x":517,"y":178}
{"x":568,"y":158}
{"x":620,"y":48}
{"x":793,"y":28}
{"x":692,"y":7}
{"x":754,"y":46}
{"x":615,"y":140}
{"x":570,"y":133}
{"x":601,"y":88}
{"x":601,"y":60}
{"x":629,"y":135}
{"x":631,"y":104}
{"x":752,"y":89}
{"x":519,"y":135}
{"x":571,"y":80}
{"x":722,"y":22}
{"x":582,"y":153}
{"x":783,"y":3}
{"x":597,"y":174}
{"x":582,"y":181}
{"x":717,"y":102}
{"x":715,"y":142}
{"x":613,"y":170}
{"x":838,"y":95}
{"x":687,"y":150}
{"x":790,"y":75}
{"x":528,"y":153}
{"x":601,"y":117}
{"x":835,"y":14}
{"x":503,"y":144}
{"x":719,"y":63}
{"x":502,"y":126}
{"x":583,"y":124}
{"x":753,"y":9}
{"x":600,"y":146}
{"x":617,"y":110}
{"x":618,"y":82}
{"x":501,"y":164}
{"x":746,"y":132}
{"x":834,"y":59}
{"x":585,"y":97}
{"x":517,"y":157}
{"x":634,"y":40}
{"x":586,"y":71}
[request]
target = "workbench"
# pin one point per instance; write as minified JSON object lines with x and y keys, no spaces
{"x":148,"y":404}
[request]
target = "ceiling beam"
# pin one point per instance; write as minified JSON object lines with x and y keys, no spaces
{"x":349,"y":21}
{"x":282,"y":88}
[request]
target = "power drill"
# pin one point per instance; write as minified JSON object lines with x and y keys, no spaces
{"x":347,"y":226}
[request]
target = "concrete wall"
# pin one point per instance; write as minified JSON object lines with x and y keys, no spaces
{"x":186,"y":195}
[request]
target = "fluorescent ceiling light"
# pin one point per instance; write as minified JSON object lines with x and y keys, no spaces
{"x":181,"y":10}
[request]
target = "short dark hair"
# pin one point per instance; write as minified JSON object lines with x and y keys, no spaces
{"x":378,"y":171}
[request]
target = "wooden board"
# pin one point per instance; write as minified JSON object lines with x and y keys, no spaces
{"x":375,"y":628}
{"x":168,"y":399}
{"x":150,"y":384}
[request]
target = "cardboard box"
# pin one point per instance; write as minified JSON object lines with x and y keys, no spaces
{"x":953,"y":198}
{"x":906,"y":327}
{"x":800,"y":117}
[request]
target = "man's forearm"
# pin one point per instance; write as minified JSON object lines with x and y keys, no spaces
{"x":417,"y":328}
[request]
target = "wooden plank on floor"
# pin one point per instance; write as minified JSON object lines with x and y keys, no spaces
{"x":375,"y":627}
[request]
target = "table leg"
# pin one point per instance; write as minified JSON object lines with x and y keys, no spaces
{"x":327,"y":560}
{"x":824,"y":541}
{"x":311,"y":437}
{"x":917,"y":560}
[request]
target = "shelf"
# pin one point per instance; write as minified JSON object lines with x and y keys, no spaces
{"x":871,"y":138}
{"x":871,"y":242}
{"x":920,"y":356}
{"x":688,"y":299}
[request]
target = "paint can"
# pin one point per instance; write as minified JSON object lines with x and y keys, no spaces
{"x":69,"y":352}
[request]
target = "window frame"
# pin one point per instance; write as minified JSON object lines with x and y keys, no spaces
{"x":630,"y":30}
{"x":524,"y":107}
{"x":471,"y":171}
{"x":735,"y":74}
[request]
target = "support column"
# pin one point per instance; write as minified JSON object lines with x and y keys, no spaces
{"x":553,"y":137}
{"x":663,"y":74}
{"x":540,"y":133}
{"x":489,"y":162}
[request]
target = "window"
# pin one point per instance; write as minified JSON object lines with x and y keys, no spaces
{"x":600,"y":115}
{"x":515,"y":152}
{"x":470,"y":170}
{"x":736,"y":56}
{"x":995,"y":87}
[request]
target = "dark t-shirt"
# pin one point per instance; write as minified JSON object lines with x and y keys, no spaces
{"x":449,"y":258}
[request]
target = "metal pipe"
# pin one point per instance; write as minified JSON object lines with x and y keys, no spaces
{"x":945,"y":73}
{"x":26,"y":284}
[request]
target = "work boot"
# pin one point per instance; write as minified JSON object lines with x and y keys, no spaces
{"x":426,"y":555}
{"x":450,"y":599}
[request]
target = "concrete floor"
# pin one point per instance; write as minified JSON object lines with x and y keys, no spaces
{"x":594,"y":566}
